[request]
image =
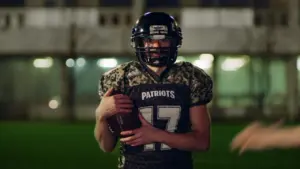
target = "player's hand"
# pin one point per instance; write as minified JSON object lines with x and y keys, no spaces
{"x":146,"y":134}
{"x":244,"y":135}
{"x":254,"y":137}
{"x":257,"y":141}
{"x":113,"y":104}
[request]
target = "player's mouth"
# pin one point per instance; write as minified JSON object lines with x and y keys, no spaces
{"x":155,"y":55}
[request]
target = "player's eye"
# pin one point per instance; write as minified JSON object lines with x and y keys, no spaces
{"x":157,"y":43}
{"x":165,"y":42}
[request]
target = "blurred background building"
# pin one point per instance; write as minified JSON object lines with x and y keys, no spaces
{"x":53,"y":52}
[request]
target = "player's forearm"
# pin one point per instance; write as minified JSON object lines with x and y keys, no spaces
{"x":285,"y":138}
{"x":104,"y":137}
{"x":188,"y":141}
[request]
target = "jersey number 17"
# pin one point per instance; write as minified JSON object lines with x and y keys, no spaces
{"x":169,"y":113}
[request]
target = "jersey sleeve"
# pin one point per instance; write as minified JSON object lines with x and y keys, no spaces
{"x":111,"y":79}
{"x":201,"y":87}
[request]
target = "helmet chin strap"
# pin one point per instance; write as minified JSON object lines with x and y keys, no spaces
{"x":146,"y":64}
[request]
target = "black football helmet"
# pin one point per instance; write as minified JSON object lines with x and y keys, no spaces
{"x":156,"y":28}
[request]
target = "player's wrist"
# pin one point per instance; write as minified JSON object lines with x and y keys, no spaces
{"x":102,"y":115}
{"x":101,"y":118}
{"x":161,"y":136}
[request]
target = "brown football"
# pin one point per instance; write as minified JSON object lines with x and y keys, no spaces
{"x":122,"y":122}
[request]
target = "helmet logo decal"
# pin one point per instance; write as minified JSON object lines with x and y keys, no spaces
{"x":158,"y":29}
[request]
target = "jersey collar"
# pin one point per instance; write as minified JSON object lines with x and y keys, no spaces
{"x":153,"y":75}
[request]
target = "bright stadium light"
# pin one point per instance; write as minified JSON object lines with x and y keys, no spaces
{"x":203,"y":64}
{"x":43,"y":62}
{"x":70,"y":62}
{"x":180,"y":59}
{"x":54,"y":103}
{"x":205,"y":61}
{"x":233,"y":64}
{"x":107,"y":63}
{"x":206,"y":56}
{"x":80,"y":62}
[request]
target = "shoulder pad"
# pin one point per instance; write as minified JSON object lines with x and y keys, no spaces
{"x":113,"y":78}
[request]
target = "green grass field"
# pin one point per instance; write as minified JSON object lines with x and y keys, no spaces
{"x":42,"y":145}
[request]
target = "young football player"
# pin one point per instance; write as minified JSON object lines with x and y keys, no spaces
{"x":170,"y":97}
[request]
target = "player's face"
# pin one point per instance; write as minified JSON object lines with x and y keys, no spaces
{"x":155,"y":46}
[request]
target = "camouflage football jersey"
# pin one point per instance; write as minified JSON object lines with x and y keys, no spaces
{"x":164,"y":101}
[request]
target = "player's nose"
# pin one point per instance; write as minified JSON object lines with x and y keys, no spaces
{"x":156,"y":44}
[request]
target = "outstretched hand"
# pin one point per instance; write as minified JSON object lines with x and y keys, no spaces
{"x":254,"y":137}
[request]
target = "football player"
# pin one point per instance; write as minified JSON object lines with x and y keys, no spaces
{"x":258,"y":137}
{"x":170,"y":97}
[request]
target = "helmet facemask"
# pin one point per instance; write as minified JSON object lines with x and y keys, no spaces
{"x":156,"y":38}
{"x":156,"y":50}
